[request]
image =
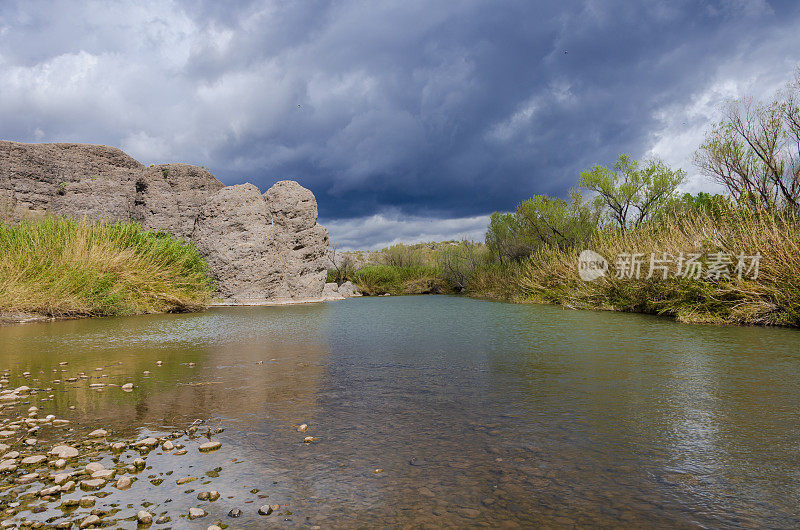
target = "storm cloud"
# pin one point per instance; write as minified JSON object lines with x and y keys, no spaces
{"x":408,"y":120}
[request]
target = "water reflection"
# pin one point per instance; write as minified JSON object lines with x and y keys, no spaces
{"x":476,"y":412}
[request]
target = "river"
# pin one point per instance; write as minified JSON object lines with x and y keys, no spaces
{"x":432,"y":411}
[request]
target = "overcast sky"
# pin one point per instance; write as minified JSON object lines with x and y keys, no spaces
{"x":408,"y":120}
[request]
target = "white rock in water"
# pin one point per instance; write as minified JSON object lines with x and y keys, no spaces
{"x":302,"y":428}
{"x":209,"y":446}
{"x":92,"y":520}
{"x":33,"y":460}
{"x":144,"y":517}
{"x":127,"y":387}
{"x":196,"y":513}
{"x":27,"y":478}
{"x":94,"y":466}
{"x":98,"y":433}
{"x":52,"y":490}
{"x":123,"y":483}
{"x":61,"y":478}
{"x":92,"y":484}
{"x":64,"y":451}
{"x":105,"y":474}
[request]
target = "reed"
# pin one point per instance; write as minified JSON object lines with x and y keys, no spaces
{"x":65,"y":267}
{"x":550,"y":275}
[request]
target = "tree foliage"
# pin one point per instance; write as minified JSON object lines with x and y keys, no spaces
{"x":633,"y":191}
{"x":755,"y":150}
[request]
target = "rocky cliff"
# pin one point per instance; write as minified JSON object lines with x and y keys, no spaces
{"x":260,"y":248}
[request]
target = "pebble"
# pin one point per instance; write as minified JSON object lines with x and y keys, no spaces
{"x":164,"y":519}
{"x":147,"y":442}
{"x":144,"y":517}
{"x":52,"y":490}
{"x":309,"y":439}
{"x":203,"y":496}
{"x":127,"y":387}
{"x":27,"y":478}
{"x":139,"y":463}
{"x":123,"y":483}
{"x":265,"y":510}
{"x":68,"y":486}
{"x":214,"y":527}
{"x":92,"y":520}
{"x":168,"y":446}
{"x":196,"y":513}
{"x":64,"y":451}
{"x":209,"y":446}
{"x":98,"y":433}
{"x":92,"y":484}
{"x":86,"y":502}
{"x":60,"y":463}
{"x":33,"y":460}
{"x":213,"y":495}
{"x":236,"y":512}
{"x":105,"y":474}
{"x":93,"y":466}
{"x":185,"y":480}
{"x":61,"y":478}
{"x":302,"y":428}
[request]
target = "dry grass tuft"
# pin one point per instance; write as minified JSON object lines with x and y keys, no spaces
{"x":64,"y":267}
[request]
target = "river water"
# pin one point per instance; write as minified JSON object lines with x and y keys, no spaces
{"x":434,"y":411}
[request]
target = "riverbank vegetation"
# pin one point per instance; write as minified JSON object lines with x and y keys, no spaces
{"x":62,"y":267}
{"x":703,"y":258}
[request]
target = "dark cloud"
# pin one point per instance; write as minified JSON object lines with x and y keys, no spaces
{"x":437,"y":110}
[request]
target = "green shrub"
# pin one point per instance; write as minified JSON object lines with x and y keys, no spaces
{"x":376,"y":280}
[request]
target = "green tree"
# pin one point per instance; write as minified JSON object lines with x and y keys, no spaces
{"x":504,"y":237}
{"x":633,"y":191}
{"x":555,"y":222}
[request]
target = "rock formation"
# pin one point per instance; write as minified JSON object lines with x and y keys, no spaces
{"x":260,"y":248}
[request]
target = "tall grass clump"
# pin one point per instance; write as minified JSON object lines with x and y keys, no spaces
{"x":375,"y":280}
{"x":64,"y":267}
{"x":550,"y":275}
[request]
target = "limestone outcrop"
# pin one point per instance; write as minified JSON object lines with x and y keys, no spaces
{"x":261,"y":248}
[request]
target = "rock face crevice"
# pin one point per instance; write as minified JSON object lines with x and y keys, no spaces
{"x":261,"y":248}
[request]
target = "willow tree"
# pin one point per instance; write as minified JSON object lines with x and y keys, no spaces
{"x":754,"y":151}
{"x":632,"y":191}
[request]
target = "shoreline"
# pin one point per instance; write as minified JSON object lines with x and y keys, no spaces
{"x":10,"y":318}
